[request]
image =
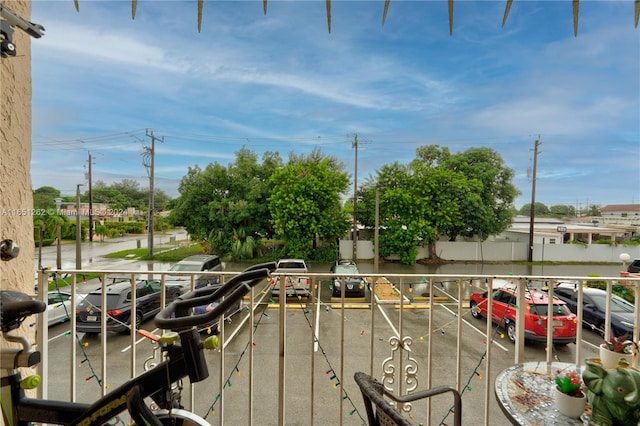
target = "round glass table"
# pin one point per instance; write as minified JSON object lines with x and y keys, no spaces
{"x":525,"y":394}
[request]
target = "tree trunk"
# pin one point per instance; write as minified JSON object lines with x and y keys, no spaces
{"x":433,"y":255}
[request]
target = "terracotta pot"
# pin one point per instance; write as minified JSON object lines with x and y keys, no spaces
{"x":570,"y":406}
{"x":610,"y":359}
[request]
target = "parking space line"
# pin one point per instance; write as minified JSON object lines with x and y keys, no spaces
{"x":478,"y":330}
{"x":386,"y":317}
{"x":256,"y":305}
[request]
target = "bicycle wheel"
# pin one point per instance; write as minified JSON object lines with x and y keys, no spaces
{"x":179,"y":417}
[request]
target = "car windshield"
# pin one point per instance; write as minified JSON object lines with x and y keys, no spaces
{"x":558,"y":310}
{"x":58,"y":298}
{"x":290,"y":265}
{"x":185,"y":267}
{"x":346,"y":270}
{"x":618,"y":304}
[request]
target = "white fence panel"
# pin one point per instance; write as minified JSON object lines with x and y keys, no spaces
{"x":491,"y":251}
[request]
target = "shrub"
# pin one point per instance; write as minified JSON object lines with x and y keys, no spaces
{"x":324,"y":254}
{"x":126,"y":227}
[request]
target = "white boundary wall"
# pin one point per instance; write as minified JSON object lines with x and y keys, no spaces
{"x":506,"y":251}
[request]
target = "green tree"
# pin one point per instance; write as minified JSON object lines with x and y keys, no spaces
{"x":44,"y":197}
{"x":47,"y":225}
{"x":305,"y":202}
{"x":126,"y":193}
{"x":420,"y":203}
{"x":486,"y":209}
{"x":131,"y":192}
{"x":225,"y":208}
{"x":593,"y":210}
{"x":562,"y":211}
{"x":540,"y":210}
{"x":107,"y":194}
{"x":437,"y":194}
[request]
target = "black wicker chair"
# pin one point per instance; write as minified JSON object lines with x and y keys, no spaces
{"x":381,"y":412}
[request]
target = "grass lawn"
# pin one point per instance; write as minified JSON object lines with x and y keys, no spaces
{"x":65,"y":281}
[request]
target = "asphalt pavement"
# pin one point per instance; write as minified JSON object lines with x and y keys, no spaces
{"x":92,"y":252}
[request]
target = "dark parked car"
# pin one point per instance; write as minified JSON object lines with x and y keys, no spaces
{"x":594,"y":309}
{"x":195,"y":263}
{"x":89,"y":311}
{"x":536,"y":314}
{"x":213,"y":328}
{"x":353,"y":286}
{"x":634,"y":266}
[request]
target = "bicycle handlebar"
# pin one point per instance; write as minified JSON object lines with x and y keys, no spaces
{"x":232,"y":291}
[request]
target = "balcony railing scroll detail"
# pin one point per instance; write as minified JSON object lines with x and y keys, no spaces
{"x":402,"y":362}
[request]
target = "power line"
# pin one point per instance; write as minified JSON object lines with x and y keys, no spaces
{"x":85,"y":139}
{"x":107,"y":140}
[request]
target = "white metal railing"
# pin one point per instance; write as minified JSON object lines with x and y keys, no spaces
{"x":411,"y":319}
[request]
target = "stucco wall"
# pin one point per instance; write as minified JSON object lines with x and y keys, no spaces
{"x":16,"y":198}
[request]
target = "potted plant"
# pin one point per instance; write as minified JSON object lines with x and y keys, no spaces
{"x":618,"y":350}
{"x":569,"y":398}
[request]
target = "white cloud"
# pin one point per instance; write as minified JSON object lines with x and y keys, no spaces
{"x":280,"y":82}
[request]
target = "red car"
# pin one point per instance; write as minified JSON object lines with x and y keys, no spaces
{"x":535,"y":316}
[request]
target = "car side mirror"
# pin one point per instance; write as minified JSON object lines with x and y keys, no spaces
{"x":591,"y":307}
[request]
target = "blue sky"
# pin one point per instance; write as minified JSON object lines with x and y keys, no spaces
{"x":282,"y":82}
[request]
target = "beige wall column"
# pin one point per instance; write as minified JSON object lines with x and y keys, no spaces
{"x":16,"y":200}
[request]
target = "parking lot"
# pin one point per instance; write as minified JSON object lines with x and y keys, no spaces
{"x":327,"y":341}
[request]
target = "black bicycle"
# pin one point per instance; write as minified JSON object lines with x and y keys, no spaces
{"x":183,"y":355}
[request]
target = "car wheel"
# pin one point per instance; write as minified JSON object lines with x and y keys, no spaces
{"x":174,"y":296}
{"x":475,"y":311}
{"x":511,"y":331}
{"x":138,"y":323}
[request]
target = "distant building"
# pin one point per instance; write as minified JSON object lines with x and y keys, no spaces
{"x":556,"y":231}
{"x":624,"y":214}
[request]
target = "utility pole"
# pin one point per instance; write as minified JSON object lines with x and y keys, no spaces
{"x":533,"y":199}
{"x":355,"y":200}
{"x":78,"y":230}
{"x":90,"y":204}
{"x":149,"y":162}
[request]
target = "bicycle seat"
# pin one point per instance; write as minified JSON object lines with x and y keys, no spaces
{"x":15,"y":306}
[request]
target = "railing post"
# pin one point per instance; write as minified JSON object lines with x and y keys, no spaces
{"x":489,"y":343}
{"x":252,"y":331}
{"x":579,"y":323}
{"x":607,"y":319}
{"x":519,"y":345}
{"x":42,"y":335}
{"x":282,"y":361}
{"x":550,"y":322}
